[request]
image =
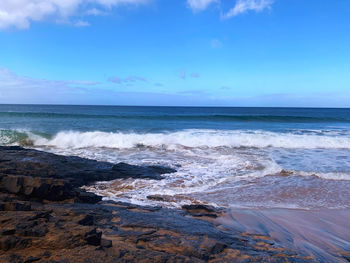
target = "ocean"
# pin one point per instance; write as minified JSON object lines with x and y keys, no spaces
{"x":227,"y":157}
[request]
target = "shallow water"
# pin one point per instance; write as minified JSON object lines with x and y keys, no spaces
{"x":320,"y":234}
{"x":231,"y":157}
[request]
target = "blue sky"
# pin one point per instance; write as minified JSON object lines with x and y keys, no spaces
{"x":176,"y":52}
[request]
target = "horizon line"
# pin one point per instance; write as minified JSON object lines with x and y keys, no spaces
{"x":173,"y":106}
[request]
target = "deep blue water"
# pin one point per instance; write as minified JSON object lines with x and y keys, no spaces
{"x":51,"y":118}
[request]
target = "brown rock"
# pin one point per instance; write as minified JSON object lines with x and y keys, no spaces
{"x":17,"y":206}
{"x":10,"y":242}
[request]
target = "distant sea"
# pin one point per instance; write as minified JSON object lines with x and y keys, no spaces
{"x":230,"y":157}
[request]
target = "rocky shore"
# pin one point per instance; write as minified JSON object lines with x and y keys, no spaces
{"x":46,"y":217}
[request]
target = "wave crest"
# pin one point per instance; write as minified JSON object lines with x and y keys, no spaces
{"x":193,"y":139}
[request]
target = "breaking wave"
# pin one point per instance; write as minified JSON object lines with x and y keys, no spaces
{"x":179,"y":139}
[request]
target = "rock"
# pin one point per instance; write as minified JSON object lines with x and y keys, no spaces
{"x":86,"y":197}
{"x":87,"y":220}
{"x":15,"y":258}
{"x":152,"y":171}
{"x":32,"y":259}
{"x":12,"y":184}
{"x":46,"y":217}
{"x":201,"y":210}
{"x":218,"y":248}
{"x":36,"y":231}
{"x":106,"y":243}
{"x":78,"y":171}
{"x":10,"y":242}
{"x":93,"y":237}
{"x":17,"y":206}
{"x":43,"y":188}
{"x":8,"y":231}
{"x":156,"y":198}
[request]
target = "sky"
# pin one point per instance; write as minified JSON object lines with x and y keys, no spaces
{"x":285,"y":53}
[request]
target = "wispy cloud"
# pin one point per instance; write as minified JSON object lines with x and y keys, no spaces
{"x":95,"y":12}
{"x":240,"y":7}
{"x":225,"y":88}
{"x":200,"y":5}
{"x":16,"y":88}
{"x":243,"y":6}
{"x":20,"y":13}
{"x":183,"y":74}
{"x":216,"y":43}
{"x":127,"y":80}
{"x":81,"y":23}
{"x":193,"y":92}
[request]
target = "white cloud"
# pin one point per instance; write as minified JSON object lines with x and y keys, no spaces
{"x":20,"y":13}
{"x":95,"y":12}
{"x":243,"y":6}
{"x":200,"y":5}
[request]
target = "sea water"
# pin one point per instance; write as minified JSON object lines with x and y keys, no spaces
{"x":228,"y":157}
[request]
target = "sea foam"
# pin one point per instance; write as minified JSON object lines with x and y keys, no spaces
{"x":193,"y":139}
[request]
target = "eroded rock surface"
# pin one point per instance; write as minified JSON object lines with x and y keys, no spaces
{"x":45,"y":217}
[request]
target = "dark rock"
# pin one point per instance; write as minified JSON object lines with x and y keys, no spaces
{"x":37,"y":231}
{"x":43,"y":188}
{"x":31,"y":228}
{"x":17,"y":206}
{"x":156,"y":198}
{"x":218,"y":248}
{"x":15,"y":258}
{"x":87,"y":220}
{"x":41,"y":215}
{"x":86,"y":197}
{"x":78,"y":171}
{"x":8,"y":231}
{"x":347,"y":258}
{"x":152,"y":171}
{"x":201,"y":210}
{"x":10,"y":242}
{"x":93,"y":237}
{"x":32,"y":259}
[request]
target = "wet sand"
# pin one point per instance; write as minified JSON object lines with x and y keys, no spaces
{"x":322,"y":234}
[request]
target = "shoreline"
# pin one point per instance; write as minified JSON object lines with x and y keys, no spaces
{"x":46,"y":217}
{"x":319,"y":233}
